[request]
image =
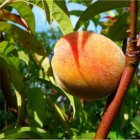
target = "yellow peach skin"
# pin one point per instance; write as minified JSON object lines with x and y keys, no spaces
{"x":87,"y":65}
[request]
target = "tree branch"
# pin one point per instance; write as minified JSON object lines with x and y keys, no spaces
{"x":132,"y":59}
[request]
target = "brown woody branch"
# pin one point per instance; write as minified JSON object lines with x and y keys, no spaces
{"x":132,"y":59}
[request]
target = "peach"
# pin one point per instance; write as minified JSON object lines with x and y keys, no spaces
{"x":87,"y":65}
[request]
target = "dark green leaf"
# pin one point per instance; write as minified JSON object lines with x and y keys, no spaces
{"x":83,"y":2}
{"x":76,"y":12}
{"x":118,"y":31}
{"x":100,"y":7}
{"x":12,"y":64}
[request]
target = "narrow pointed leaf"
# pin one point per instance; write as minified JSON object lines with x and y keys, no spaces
{"x":12,"y":64}
{"x":36,"y":107}
{"x":25,"y":132}
{"x":5,"y":15}
{"x":26,"y":13}
{"x":100,"y":7}
{"x":22,"y":38}
{"x":71,"y":99}
{"x":118,"y":31}
{"x":48,"y":9}
{"x":60,"y":15}
{"x":3,"y":46}
{"x":136,"y":123}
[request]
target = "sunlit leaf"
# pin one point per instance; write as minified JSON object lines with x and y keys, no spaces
{"x":48,"y":9}
{"x":60,"y":112}
{"x":3,"y":46}
{"x":71,"y":99}
{"x":25,"y":12}
{"x":9,"y":49}
{"x":25,"y":132}
{"x":60,"y":15}
{"x":136,"y":123}
{"x":114,"y":135}
{"x":22,"y":55}
{"x":36,"y":107}
{"x":43,"y":62}
{"x":88,"y":136}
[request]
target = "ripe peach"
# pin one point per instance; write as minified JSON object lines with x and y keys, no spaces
{"x":87,"y":65}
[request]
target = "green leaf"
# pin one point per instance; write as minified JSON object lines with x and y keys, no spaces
{"x":12,"y":64}
{"x":61,"y":115}
{"x":114,"y":135}
{"x":76,"y":12}
{"x":43,"y":62}
{"x":59,"y":110}
{"x":60,"y":15}
{"x":8,"y":16}
{"x":118,"y":31}
{"x":48,"y":9}
{"x":71,"y":99}
{"x":89,"y":136}
{"x":9,"y":49}
{"x":26,"y":13}
{"x":100,"y":7}
{"x":36,"y":107}
{"x":25,"y":132}
{"x":22,"y":38}
{"x":22,"y":55}
{"x":3,"y":46}
{"x":136,"y":123}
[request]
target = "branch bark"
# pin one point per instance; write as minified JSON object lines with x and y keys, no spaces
{"x":132,"y":59}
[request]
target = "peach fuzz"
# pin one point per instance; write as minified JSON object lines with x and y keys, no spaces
{"x":87,"y":65}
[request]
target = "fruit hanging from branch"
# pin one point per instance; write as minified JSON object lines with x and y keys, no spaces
{"x":87,"y":65}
